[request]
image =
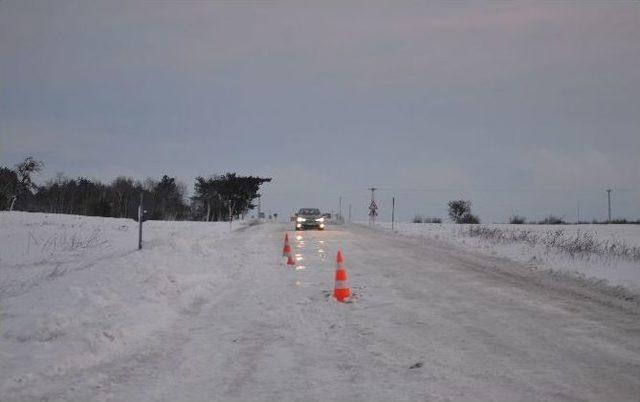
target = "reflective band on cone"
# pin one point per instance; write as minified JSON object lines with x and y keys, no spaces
{"x":341,"y":291}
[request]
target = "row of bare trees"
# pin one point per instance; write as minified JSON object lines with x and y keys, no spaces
{"x":215,"y":198}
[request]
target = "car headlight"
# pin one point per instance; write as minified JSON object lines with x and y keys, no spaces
{"x":320,"y":219}
{"x":300,"y":219}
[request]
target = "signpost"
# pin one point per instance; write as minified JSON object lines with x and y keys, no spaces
{"x":373,"y":208}
{"x":140,"y":213}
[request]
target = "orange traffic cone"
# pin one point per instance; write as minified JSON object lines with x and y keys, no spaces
{"x":286,"y":250}
{"x":341,"y":291}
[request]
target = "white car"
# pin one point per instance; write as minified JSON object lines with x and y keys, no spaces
{"x":309,"y":218}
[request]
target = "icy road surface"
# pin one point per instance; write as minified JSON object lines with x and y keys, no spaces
{"x":199,"y":318}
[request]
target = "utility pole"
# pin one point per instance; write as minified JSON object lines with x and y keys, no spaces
{"x":340,"y":209}
{"x":140,"y":213}
{"x":349,"y":213}
{"x":393,"y":212}
{"x":609,"y":203}
{"x":578,"y":221}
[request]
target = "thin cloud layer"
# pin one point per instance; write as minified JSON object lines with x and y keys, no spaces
{"x":403,"y":96}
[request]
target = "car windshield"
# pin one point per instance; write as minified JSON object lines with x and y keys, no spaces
{"x":309,"y":211}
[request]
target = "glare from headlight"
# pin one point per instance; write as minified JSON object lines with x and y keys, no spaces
{"x":320,"y":219}
{"x":300,"y":219}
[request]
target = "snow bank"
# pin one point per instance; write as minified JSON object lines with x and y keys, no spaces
{"x":604,"y":252}
{"x":75,"y":291}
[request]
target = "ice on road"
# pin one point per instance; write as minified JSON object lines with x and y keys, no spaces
{"x":431,"y":322}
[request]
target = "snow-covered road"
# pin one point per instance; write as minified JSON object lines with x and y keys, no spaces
{"x":431,"y":322}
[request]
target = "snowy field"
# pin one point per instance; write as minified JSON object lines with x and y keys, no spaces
{"x":75,"y":291}
{"x":601,"y":252}
{"x":207,"y":313}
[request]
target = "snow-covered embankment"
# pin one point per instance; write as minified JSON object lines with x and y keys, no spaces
{"x":75,"y":291}
{"x":602,"y":252}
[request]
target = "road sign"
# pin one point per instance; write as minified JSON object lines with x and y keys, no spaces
{"x":373,"y":209}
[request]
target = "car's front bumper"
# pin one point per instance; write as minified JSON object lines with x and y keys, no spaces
{"x":310,"y":225}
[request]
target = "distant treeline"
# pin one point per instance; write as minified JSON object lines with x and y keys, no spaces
{"x":218,"y":197}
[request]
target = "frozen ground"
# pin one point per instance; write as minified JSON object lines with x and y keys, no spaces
{"x":202,"y":313}
{"x":537,"y":253}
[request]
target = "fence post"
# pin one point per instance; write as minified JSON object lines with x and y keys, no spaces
{"x":140,"y":213}
{"x":393,"y":212}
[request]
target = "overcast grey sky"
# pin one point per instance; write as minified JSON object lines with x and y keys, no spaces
{"x":522,"y":107}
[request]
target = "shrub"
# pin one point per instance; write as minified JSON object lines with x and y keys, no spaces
{"x":469,"y":219}
{"x":517,"y":220}
{"x":580,"y":244}
{"x":458,"y":209}
{"x":460,"y":212}
{"x":420,"y":219}
{"x":623,"y":222}
{"x":617,"y":221}
{"x":552,"y":220}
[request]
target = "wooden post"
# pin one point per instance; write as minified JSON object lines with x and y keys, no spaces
{"x":393,"y":212}
{"x":609,"y":204}
{"x":140,"y":213}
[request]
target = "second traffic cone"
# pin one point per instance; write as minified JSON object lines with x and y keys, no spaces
{"x":286,"y":250}
{"x":341,"y":291}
